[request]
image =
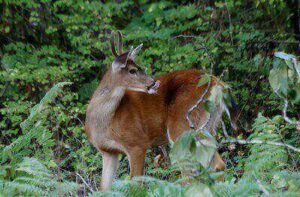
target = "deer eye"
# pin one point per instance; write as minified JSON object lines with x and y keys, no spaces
{"x":132,"y":71}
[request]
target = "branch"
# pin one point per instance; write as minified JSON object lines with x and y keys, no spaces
{"x":165,"y":153}
{"x":233,"y":140}
{"x":284,"y":114}
{"x":268,"y":41}
{"x":209,"y":118}
{"x":88,"y":186}
{"x":200,"y":100}
{"x":262,"y":188}
{"x":284,"y":111}
{"x":186,"y":36}
{"x":224,"y":129}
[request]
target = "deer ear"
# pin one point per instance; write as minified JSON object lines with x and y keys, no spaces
{"x":117,"y":66}
{"x":135,"y":51}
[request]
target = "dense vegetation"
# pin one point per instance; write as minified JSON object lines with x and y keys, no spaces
{"x":53,"y":54}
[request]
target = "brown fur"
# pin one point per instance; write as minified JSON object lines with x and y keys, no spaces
{"x":137,"y":121}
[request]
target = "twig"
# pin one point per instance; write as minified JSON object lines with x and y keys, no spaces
{"x":229,"y":18}
{"x":191,"y":123}
{"x":234,"y":140}
{"x":88,"y":186}
{"x":165,"y":153}
{"x":224,"y":129}
{"x":261,"y":187}
{"x":284,"y":111}
{"x":294,"y":60}
{"x":186,"y":36}
{"x":284,"y":114}
{"x":261,"y":142}
{"x":209,"y":114}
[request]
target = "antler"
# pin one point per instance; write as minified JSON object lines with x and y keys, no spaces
{"x":120,"y":45}
{"x":135,"y":51}
{"x":112,"y":41}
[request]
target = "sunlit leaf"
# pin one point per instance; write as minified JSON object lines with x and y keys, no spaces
{"x":204,"y":80}
{"x":283,"y":55}
{"x":279,"y":80}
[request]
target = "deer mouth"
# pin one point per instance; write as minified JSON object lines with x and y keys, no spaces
{"x":152,"y":89}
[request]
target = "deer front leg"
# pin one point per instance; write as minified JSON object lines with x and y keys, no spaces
{"x":109,"y":168}
{"x":136,"y":161}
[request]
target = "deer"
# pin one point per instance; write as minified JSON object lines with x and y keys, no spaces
{"x":131,"y":112}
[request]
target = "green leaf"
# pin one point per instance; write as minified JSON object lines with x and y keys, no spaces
{"x":228,"y":98}
{"x":188,"y":148}
{"x":205,"y":151}
{"x":283,"y":55}
{"x":183,"y":147}
{"x":209,"y":106}
{"x":204,"y":80}
{"x":278,"y":80}
{"x":216,"y":94}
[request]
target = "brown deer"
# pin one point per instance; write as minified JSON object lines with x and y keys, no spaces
{"x":131,"y":112}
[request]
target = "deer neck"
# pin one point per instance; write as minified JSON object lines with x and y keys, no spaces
{"x":105,"y":102}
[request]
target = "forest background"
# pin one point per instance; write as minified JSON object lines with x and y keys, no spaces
{"x":54,"y":53}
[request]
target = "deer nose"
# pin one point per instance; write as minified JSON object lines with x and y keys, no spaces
{"x":151,"y":85}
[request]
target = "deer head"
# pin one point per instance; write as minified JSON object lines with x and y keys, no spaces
{"x":128,"y":73}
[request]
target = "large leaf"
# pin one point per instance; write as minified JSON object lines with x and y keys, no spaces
{"x":216,"y":94}
{"x":183,"y":147}
{"x":215,"y":98}
{"x":284,"y":55}
{"x":204,"y":80}
{"x":279,"y":80}
{"x":296,"y":94}
{"x":205,"y":151}
{"x":187,"y":147}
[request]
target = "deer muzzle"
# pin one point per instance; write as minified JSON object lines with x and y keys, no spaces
{"x":152,"y":89}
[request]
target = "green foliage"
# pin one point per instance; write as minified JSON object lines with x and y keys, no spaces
{"x":46,"y":42}
{"x":187,"y":149}
{"x":285,"y":78}
{"x":33,"y":128}
{"x":34,"y":179}
{"x":267,"y":158}
{"x":267,"y":164}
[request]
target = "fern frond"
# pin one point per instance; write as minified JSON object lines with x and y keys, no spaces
{"x":32,"y":126}
{"x":34,"y":112}
{"x":33,"y":178}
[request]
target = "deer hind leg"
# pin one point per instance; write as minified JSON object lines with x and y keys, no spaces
{"x":136,"y":158}
{"x":217,"y":162}
{"x":110,"y":166}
